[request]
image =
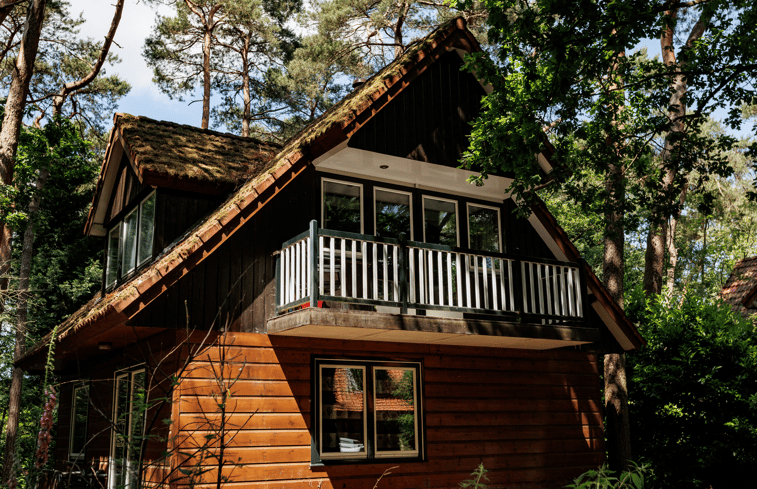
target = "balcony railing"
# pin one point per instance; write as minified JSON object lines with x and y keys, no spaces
{"x":327,"y":265}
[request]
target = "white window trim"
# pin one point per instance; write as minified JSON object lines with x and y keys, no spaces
{"x":124,"y":271}
{"x":341,"y":182}
{"x":108,"y":265}
{"x":339,"y":455}
{"x":129,"y":376}
{"x":441,"y":199}
{"x":391,"y":190}
{"x":499,"y":223}
{"x":71,"y":454}
{"x":121,"y":271}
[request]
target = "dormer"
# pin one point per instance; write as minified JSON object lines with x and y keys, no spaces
{"x":158,"y":179}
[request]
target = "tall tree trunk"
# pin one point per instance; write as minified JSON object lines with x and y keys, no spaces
{"x":206,"y":79}
{"x":616,"y":389}
{"x":672,"y":249}
{"x":654,"y":260}
{"x":9,"y":134}
{"x":246,"y":87}
{"x":14,"y":114}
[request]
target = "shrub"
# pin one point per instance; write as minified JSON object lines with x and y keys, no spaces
{"x":693,"y":392}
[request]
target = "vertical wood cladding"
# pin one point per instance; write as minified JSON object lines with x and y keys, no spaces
{"x":235,"y":285}
{"x":430,"y":120}
{"x":520,"y":236}
{"x":532,"y":418}
{"x":176,"y":212}
{"x":127,"y":189}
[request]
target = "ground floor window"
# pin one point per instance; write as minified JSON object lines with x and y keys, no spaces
{"x":367,"y":409}
{"x":129,"y":422}
{"x":79,"y":410}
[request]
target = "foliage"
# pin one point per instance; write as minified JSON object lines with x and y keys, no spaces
{"x":573,"y":68}
{"x":694,"y":392}
{"x":478,"y":477}
{"x":602,"y":478}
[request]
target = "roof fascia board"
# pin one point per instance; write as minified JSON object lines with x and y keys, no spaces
{"x":105,"y":184}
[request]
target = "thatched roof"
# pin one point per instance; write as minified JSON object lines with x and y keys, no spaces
{"x":176,"y":154}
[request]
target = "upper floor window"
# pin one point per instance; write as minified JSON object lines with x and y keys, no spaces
{"x":393,"y":213}
{"x":440,"y":221}
{"x":483,"y":228}
{"x":130,"y":241}
{"x":342,"y":206}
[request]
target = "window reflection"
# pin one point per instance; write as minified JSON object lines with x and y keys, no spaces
{"x":483,"y":228}
{"x":395,"y":410}
{"x":393,"y":214}
{"x":343,"y":419}
{"x":440,"y":221}
{"x":341,"y":206}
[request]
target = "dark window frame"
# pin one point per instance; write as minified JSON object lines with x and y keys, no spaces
{"x":370,"y":456}
{"x":78,"y":386}
{"x":119,"y":225}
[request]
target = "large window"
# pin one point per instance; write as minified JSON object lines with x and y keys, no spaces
{"x":130,"y":241}
{"x":129,"y":424}
{"x":440,"y":221}
{"x":79,"y":409}
{"x":367,"y":409}
{"x":393,"y":212}
{"x":342,"y":206}
{"x":483,"y":227}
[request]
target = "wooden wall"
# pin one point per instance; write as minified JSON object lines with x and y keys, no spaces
{"x":532,"y":418}
{"x":127,"y":188}
{"x":176,"y":212}
{"x":429,"y":120}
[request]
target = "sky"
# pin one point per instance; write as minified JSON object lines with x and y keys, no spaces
{"x":136,"y":23}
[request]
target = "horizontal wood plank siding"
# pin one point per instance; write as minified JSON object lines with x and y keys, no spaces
{"x":533,"y":418}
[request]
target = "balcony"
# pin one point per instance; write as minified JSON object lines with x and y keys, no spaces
{"x":427,"y":292}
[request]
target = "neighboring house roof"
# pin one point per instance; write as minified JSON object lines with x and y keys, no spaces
{"x":740,"y":290}
{"x":324,"y":134}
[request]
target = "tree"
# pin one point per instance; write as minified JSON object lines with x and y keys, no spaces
{"x":181,"y":47}
{"x":624,"y":127}
{"x":250,"y":44}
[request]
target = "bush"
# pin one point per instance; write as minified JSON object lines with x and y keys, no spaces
{"x":693,"y":392}
{"x":635,"y":477}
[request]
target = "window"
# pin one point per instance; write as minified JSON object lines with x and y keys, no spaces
{"x":483,"y":228}
{"x":342,"y":206}
{"x":440,"y":221}
{"x":129,"y":424}
{"x":393,"y":213}
{"x":79,"y":408}
{"x":130,"y":241}
{"x":367,"y":409}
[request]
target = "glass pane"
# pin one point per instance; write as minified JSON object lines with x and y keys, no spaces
{"x":341,"y":206}
{"x":342,"y":410}
{"x":129,"y":243}
{"x":395,"y":409}
{"x":146,"y":229}
{"x":79,"y":419}
{"x":120,"y":445}
{"x":392,"y":214}
{"x":440,"y":221}
{"x":484,"y":228}
{"x":111,"y":266}
{"x":138,"y":407}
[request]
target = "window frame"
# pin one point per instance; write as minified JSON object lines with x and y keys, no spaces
{"x":128,"y":375}
{"x":457,"y":215}
{"x":78,"y":386}
{"x":499,"y":225}
{"x":371,"y":455}
{"x":325,"y":180}
{"x":120,"y":228}
{"x":394,"y":191}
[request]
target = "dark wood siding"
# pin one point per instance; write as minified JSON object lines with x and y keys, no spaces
{"x":520,"y":236}
{"x":429,"y":121}
{"x":176,"y":212}
{"x":235,"y":285}
{"x":532,"y":418}
{"x":126,"y":190}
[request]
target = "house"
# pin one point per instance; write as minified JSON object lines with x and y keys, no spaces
{"x":740,"y":290}
{"x":316,"y":314}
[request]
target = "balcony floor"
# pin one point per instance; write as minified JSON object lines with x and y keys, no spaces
{"x":375,"y":326}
